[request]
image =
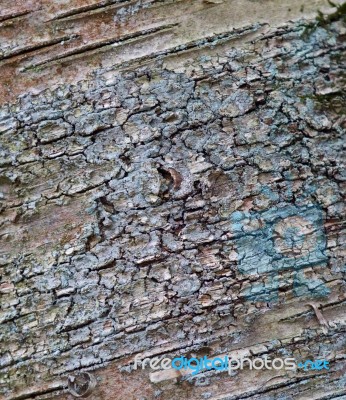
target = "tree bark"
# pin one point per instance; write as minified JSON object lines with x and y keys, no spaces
{"x":172,"y":183}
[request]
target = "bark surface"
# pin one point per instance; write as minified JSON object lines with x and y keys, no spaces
{"x":174,"y":186}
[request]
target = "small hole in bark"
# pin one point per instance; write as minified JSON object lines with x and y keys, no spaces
{"x":81,"y":384}
{"x":125,"y":159}
{"x":166,"y":183}
{"x":172,"y":178}
{"x":108,"y":206}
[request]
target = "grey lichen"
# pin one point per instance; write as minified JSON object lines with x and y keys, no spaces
{"x":123,"y":199}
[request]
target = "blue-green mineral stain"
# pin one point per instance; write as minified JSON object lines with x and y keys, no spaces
{"x":288,"y":238}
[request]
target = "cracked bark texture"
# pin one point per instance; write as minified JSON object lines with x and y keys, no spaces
{"x":146,"y":189}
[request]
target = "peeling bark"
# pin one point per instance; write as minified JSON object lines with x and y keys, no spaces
{"x":189,"y":202}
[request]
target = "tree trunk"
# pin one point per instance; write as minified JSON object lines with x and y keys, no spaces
{"x":172,"y":184}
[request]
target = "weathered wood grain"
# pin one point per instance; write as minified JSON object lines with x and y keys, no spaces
{"x":152,"y":156}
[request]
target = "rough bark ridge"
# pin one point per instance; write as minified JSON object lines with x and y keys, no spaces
{"x":146,"y":211}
